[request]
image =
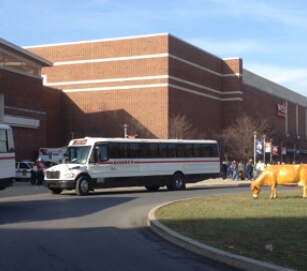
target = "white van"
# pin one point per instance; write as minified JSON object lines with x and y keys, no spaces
{"x":23,"y":170}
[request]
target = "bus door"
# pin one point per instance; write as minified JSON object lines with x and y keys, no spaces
{"x":98,"y":166}
{"x":113,"y":160}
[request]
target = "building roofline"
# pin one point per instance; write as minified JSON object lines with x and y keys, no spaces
{"x":97,"y":40}
{"x":126,"y":38}
{"x":25,"y":53}
{"x":272,"y":88}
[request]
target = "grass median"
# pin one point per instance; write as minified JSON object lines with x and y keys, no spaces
{"x":273,"y":231}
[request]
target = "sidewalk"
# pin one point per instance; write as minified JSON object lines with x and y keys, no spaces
{"x":219,"y":182}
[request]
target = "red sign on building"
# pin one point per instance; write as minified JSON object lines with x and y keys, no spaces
{"x":281,"y":110}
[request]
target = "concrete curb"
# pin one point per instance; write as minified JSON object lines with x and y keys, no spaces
{"x":237,"y":261}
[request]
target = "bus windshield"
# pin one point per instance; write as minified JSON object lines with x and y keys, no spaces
{"x":76,"y":155}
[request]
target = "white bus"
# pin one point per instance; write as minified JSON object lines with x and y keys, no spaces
{"x":93,"y":163}
{"x":7,"y":157}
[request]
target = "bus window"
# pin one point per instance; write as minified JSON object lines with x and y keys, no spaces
{"x":3,"y":141}
{"x":113,"y":150}
{"x":171,"y":150}
{"x":162,"y":150}
{"x":180,"y":150}
{"x":103,"y":153}
{"x":123,"y":151}
{"x":153,"y":150}
{"x":10,"y":141}
{"x":197,"y":150}
{"x":188,"y":151}
{"x":206,"y":148}
{"x":210,"y":150}
{"x":134,"y":150}
{"x":143,"y":150}
{"x":215,"y":150}
{"x":77,"y":155}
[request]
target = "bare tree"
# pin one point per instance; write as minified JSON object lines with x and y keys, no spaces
{"x":138,"y":129}
{"x":237,"y":140}
{"x":181,"y":128}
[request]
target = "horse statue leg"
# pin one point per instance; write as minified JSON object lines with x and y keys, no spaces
{"x":273,"y":192}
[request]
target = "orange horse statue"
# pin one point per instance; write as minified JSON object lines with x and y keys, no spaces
{"x":289,"y":175}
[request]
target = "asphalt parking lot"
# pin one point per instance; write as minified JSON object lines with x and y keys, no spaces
{"x":23,"y":189}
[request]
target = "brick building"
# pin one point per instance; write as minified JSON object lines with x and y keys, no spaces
{"x":95,"y":87}
{"x":148,"y":78}
{"x":21,"y":97}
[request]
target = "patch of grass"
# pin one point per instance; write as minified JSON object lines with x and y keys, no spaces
{"x":269,"y":230}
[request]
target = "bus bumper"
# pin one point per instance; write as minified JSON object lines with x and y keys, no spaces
{"x":67,"y":184}
{"x":4,"y":183}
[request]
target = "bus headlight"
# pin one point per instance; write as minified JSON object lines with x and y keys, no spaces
{"x":69,"y":175}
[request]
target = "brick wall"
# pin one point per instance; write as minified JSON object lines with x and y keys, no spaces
{"x":23,"y":98}
{"x":118,"y":85}
{"x":113,"y":78}
{"x":54,"y":117}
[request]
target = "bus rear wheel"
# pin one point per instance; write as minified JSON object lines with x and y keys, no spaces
{"x":178,"y":182}
{"x":82,"y":186}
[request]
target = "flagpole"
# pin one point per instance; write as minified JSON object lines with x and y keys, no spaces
{"x":280,"y":152}
{"x":271,"y":150}
{"x":255,"y":135}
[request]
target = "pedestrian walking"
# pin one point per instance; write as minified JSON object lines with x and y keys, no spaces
{"x":249,"y":170}
{"x":235,"y":171}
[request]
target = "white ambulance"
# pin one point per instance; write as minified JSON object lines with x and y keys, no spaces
{"x":54,"y":155}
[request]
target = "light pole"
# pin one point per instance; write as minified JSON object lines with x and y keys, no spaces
{"x":72,"y":135}
{"x":125,"y":130}
{"x":264,"y":149}
{"x":295,"y":148}
{"x":255,"y":136}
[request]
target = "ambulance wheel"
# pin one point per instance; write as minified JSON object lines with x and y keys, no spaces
{"x":82,"y":186}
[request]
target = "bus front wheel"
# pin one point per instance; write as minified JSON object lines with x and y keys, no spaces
{"x":178,"y":182}
{"x":82,"y":186}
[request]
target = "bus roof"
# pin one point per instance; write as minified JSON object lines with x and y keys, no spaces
{"x":92,"y":140}
{"x":4,"y":126}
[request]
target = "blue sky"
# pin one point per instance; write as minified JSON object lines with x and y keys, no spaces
{"x":269,"y":35}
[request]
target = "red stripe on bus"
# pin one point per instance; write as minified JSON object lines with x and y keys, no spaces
{"x":7,"y":158}
{"x":172,"y":161}
{"x":130,"y":162}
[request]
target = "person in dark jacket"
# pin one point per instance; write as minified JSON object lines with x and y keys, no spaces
{"x":249,"y":170}
{"x":37,"y":174}
{"x":224,"y":170}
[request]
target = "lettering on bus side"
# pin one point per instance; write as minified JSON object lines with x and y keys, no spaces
{"x":100,"y":180}
{"x":125,"y":162}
